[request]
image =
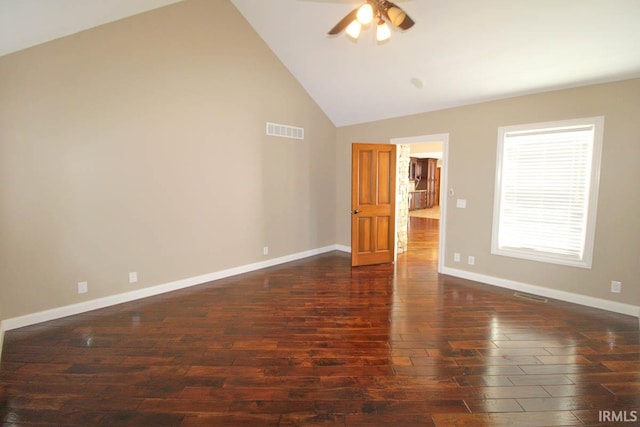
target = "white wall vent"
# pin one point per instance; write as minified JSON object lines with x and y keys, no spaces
{"x":274,"y":129}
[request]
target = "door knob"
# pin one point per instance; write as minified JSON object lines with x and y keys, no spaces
{"x":356,"y":211}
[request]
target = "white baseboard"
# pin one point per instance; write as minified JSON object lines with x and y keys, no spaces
{"x":616,"y":307}
{"x":69,"y":310}
{"x":343,"y":248}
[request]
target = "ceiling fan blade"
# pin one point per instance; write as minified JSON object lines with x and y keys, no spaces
{"x":344,"y":23}
{"x":407,"y":23}
{"x":397,"y":16}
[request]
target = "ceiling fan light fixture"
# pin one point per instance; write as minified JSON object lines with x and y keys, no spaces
{"x":382,"y":32}
{"x":353,"y":30}
{"x":383,"y":12}
{"x":396,"y":15}
{"x":365,"y":14}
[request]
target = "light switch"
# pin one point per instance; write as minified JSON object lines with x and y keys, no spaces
{"x":461,"y":203}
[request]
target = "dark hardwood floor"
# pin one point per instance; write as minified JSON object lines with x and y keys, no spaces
{"x":314,"y":342}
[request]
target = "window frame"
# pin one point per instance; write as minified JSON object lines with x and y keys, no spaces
{"x":589,"y":232}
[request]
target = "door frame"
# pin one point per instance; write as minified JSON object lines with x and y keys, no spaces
{"x":444,"y":188}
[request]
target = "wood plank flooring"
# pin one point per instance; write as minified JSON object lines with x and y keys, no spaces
{"x":315,"y":342}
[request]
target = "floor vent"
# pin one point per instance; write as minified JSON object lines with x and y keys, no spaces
{"x":530,"y":297}
{"x":284,"y":131}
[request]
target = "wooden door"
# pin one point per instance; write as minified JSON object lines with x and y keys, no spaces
{"x":373,"y":203}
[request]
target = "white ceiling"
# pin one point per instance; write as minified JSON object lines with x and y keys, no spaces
{"x":459,"y":52}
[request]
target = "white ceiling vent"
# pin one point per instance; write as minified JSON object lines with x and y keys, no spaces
{"x":274,"y":129}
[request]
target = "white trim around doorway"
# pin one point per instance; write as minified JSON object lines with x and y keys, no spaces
{"x":444,"y":139}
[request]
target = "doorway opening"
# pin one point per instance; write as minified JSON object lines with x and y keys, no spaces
{"x":422,"y":172}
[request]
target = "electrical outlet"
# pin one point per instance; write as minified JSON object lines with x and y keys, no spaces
{"x":616,"y":287}
{"x":471,"y":260}
{"x":133,"y":277}
{"x":265,"y":250}
{"x":456,"y":257}
{"x":83,"y":287}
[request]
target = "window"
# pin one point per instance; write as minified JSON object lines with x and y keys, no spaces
{"x":546,"y":191}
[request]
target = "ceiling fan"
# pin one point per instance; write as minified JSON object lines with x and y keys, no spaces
{"x":382,"y":11}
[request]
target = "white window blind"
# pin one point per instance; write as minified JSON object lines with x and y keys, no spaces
{"x":545,"y":191}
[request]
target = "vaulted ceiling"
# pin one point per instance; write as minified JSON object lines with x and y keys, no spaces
{"x":459,"y":52}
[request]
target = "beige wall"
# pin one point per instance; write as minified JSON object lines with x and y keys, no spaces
{"x":140,"y":146}
{"x":425,"y":147}
{"x":471,"y":169}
